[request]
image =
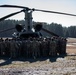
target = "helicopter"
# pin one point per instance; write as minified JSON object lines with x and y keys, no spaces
{"x":25,"y":31}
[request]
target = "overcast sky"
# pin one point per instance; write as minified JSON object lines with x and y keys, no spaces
{"x":67,"y":6}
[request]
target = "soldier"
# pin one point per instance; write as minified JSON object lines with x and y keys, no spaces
{"x":40,"y":47}
{"x":52,"y":51}
{"x":50,"y":47}
{"x":24,"y":48}
{"x":63,"y":50}
{"x":7,"y":49}
{"x":28,"y":48}
{"x":18,"y":44}
{"x":13,"y":47}
{"x":59,"y":45}
{"x":2,"y":47}
{"x":44,"y":48}
{"x":35,"y":48}
{"x":47,"y":47}
{"x":65,"y":42}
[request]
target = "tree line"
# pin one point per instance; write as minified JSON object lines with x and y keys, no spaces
{"x":53,"y":27}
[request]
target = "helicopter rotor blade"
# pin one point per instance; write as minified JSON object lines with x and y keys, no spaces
{"x":7,"y":16}
{"x":54,"y":12}
{"x":14,"y":6}
{"x":50,"y":32}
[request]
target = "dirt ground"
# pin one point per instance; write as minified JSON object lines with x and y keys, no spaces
{"x":65,"y":65}
{"x":71,"y":46}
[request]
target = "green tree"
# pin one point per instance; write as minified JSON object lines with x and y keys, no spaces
{"x":72,"y":31}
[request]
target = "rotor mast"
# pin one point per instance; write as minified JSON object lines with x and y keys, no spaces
{"x":28,"y":20}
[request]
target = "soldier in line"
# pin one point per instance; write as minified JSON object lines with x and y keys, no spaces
{"x":29,"y":48}
{"x":2,"y":47}
{"x":13,"y":48}
{"x":47,"y":46}
{"x":18,"y":47}
{"x":35,"y":48}
{"x":59,"y":45}
{"x":24,"y":51}
{"x":7,"y":49}
{"x":52,"y":51}
{"x":63,"y":46}
{"x":32,"y":47}
{"x":65,"y":42}
{"x":40,"y":46}
{"x":44,"y":48}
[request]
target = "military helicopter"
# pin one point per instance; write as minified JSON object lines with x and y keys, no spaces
{"x":25,"y":31}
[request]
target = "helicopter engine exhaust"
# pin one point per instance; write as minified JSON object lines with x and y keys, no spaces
{"x":38,"y":27}
{"x":19,"y":27}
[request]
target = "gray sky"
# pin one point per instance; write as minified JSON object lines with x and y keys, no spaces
{"x":67,"y":6}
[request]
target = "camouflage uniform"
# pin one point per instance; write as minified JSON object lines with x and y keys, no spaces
{"x":44,"y":48}
{"x":2,"y":46}
{"x":52,"y":48}
{"x":19,"y":49}
{"x":59,"y":46}
{"x":40,"y":47}
{"x":35,"y":49}
{"x":7,"y":49}
{"x":13,"y":49}
{"x":63,"y":50}
{"x":28,"y":48}
{"x":65,"y":42}
{"x":24,"y":49}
